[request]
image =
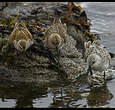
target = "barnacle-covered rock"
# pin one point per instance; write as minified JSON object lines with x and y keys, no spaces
{"x":35,"y":65}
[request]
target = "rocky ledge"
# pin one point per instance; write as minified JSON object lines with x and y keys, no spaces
{"x":34,"y":65}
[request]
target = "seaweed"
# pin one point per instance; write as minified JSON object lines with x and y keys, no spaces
{"x":8,"y":22}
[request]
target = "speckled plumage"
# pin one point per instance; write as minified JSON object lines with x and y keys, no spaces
{"x":55,"y":35}
{"x":98,"y":59}
{"x":21,"y":37}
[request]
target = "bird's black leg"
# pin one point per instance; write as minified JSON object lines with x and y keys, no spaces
{"x":91,"y":73}
{"x":104,"y":75}
{"x":89,"y":70}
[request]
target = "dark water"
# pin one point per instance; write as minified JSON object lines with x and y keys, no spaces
{"x":60,"y":95}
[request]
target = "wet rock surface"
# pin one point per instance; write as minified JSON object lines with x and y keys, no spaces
{"x":35,"y":65}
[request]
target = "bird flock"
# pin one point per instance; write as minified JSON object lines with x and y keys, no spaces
{"x":97,"y":58}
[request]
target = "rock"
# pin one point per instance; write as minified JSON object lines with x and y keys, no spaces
{"x":69,"y":49}
{"x":2,"y":5}
{"x":36,"y":64}
{"x":71,"y":68}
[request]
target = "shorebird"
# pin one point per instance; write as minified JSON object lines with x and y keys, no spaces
{"x":98,"y":59}
{"x":55,"y":36}
{"x":21,"y":37}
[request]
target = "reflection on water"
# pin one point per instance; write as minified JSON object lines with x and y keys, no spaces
{"x":99,"y":97}
{"x":21,"y":95}
{"x":6,"y":103}
{"x":58,"y":95}
{"x":43,"y":102}
{"x":28,"y":96}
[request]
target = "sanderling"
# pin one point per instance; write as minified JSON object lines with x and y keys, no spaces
{"x":98,"y":59}
{"x":55,"y":36}
{"x":21,"y":37}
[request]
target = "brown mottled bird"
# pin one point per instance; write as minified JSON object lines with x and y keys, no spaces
{"x":55,"y":36}
{"x":21,"y":37}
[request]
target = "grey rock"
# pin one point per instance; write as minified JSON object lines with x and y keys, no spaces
{"x":36,"y":65}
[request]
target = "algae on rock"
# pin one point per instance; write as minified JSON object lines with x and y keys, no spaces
{"x":35,"y":64}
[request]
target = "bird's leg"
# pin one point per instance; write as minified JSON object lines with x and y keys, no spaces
{"x":89,"y":70}
{"x":104,"y":75}
{"x":91,"y":73}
